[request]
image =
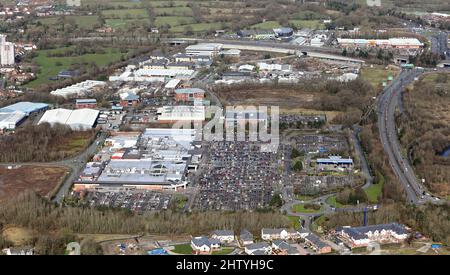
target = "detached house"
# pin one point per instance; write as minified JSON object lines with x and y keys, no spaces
{"x":269,"y":234}
{"x":246,"y":237}
{"x":252,"y":249}
{"x":224,"y":236}
{"x":204,"y":245}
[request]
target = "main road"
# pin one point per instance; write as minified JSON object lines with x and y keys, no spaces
{"x":387,"y":105}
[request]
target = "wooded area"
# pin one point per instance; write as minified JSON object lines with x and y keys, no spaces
{"x":43,"y":143}
{"x":425,"y":130}
{"x":31,"y":211}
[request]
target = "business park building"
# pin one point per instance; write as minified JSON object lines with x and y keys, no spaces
{"x":156,"y":159}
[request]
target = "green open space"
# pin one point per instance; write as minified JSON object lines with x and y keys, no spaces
{"x":184,"y":249}
{"x":122,"y":23}
{"x":295,"y":221}
{"x":300,"y":208}
{"x":173,"y":20}
{"x":174,"y":11}
{"x":377,"y":74}
{"x":310,"y":24}
{"x":125,"y":13}
{"x":83,"y":21}
{"x":51,"y":66}
{"x":199,"y":27}
{"x":332,"y":201}
{"x":223,"y":251}
{"x":162,"y":4}
{"x":375,"y":190}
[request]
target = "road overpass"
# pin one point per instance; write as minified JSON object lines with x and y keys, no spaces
{"x":277,"y":47}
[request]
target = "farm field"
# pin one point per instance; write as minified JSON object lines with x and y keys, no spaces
{"x":126,"y":13}
{"x":41,"y":179}
{"x":124,"y":23}
{"x":173,"y":20}
{"x":83,"y":21}
{"x":173,"y":11}
{"x":51,"y":66}
{"x":198,"y":27}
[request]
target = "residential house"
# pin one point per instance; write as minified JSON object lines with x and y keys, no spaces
{"x":204,"y":245}
{"x":317,"y":244}
{"x":246,"y":237}
{"x":363,"y":235}
{"x":283,"y":248}
{"x":269,"y":234}
{"x":262,"y":246}
{"x":224,"y":236}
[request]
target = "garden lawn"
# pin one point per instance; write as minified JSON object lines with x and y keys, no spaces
{"x":184,"y":249}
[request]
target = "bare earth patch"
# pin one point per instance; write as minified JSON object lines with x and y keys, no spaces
{"x":41,"y":179}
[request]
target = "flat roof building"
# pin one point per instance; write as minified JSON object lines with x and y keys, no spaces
{"x":207,"y":49}
{"x":78,"y":89}
{"x":180,"y":113}
{"x":25,"y":107}
{"x":9,"y":121}
{"x":80,"y":119}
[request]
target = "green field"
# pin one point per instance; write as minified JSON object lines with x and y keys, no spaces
{"x":126,"y":13}
{"x":199,"y":27}
{"x":184,"y":249}
{"x":295,"y":221}
{"x":121,"y":23}
{"x":83,"y":21}
{"x":162,"y":4}
{"x":223,"y":251}
{"x":173,"y":20}
{"x":300,"y":208}
{"x":268,"y":25}
{"x":374,"y":191}
{"x":48,"y":65}
{"x":377,"y":74}
{"x":126,"y":4}
{"x":332,"y":201}
{"x":310,"y":24}
{"x":174,"y":11}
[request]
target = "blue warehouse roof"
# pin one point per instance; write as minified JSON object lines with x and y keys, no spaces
{"x":335,"y":160}
{"x":24,"y":107}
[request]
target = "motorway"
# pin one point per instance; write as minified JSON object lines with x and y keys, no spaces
{"x":280,"y":47}
{"x":387,"y":105}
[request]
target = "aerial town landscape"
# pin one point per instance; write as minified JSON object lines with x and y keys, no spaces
{"x":224,"y":127}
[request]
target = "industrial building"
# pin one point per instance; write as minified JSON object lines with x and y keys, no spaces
{"x":204,"y":49}
{"x":79,"y":89}
{"x":25,"y":107}
{"x":80,"y":119}
{"x":334,"y":163}
{"x":283,"y":32}
{"x":396,"y":43}
{"x":170,"y":114}
{"x":86,"y":103}
{"x":189,"y":94}
{"x":9,"y":121}
{"x":154,"y":160}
